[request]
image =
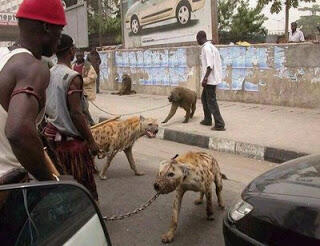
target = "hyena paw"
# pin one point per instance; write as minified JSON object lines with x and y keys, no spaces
{"x":210,"y":217}
{"x":198,"y":202}
{"x":102,"y":177}
{"x":139,"y":174}
{"x":167,"y":238}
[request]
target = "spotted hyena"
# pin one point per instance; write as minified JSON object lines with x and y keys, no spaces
{"x":120,"y":135}
{"x":195,"y":171}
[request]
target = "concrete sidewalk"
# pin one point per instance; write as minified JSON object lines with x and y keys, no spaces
{"x":263,"y":132}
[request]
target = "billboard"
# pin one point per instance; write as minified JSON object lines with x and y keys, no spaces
{"x":157,"y":22}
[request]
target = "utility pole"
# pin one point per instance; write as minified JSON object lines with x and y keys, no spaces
{"x":100,"y":21}
{"x":287,"y":20}
{"x":214,"y":21}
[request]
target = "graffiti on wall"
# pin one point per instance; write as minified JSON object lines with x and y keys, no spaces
{"x":155,"y":22}
{"x":104,"y":67}
{"x":244,"y":68}
{"x":156,"y":67}
{"x":240,"y":62}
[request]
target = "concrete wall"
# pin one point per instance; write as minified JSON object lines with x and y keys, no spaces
{"x":286,"y":75}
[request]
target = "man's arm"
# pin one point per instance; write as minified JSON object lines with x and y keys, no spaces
{"x":99,"y":59}
{"x":76,"y":113}
{"x":23,"y":110}
{"x":206,"y":76}
{"x":91,"y":76}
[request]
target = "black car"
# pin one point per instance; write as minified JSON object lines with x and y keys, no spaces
{"x":50,"y":214}
{"x":280,"y":207}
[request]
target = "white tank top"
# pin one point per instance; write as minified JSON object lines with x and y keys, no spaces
{"x":7,"y":158}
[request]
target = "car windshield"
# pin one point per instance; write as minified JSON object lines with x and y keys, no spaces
{"x":304,"y":171}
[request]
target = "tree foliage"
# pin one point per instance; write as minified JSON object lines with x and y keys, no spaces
{"x":110,"y":19}
{"x":310,"y":23}
{"x":242,"y":24}
{"x":277,"y":5}
{"x":225,"y":12}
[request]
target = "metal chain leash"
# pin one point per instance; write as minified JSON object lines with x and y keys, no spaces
{"x":139,"y":112}
{"x":136,"y":211}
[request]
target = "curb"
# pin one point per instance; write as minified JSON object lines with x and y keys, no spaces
{"x":248,"y":150}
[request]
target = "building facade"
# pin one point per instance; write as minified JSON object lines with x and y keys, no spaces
{"x":9,"y":6}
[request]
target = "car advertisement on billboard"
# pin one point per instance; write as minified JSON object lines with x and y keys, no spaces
{"x":158,"y":22}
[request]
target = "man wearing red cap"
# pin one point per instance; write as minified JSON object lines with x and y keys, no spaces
{"x":23,"y":81}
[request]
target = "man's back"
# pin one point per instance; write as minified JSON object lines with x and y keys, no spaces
{"x":56,"y":106}
{"x":210,"y":57}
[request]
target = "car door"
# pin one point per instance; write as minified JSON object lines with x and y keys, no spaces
{"x":50,"y":214}
{"x":155,"y":10}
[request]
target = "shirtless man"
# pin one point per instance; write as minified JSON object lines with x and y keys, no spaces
{"x":23,"y":81}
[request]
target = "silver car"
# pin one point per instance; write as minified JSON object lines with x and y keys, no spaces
{"x":145,"y":12}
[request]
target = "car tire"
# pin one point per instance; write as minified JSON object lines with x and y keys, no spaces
{"x":183,"y":13}
{"x":135,"y":25}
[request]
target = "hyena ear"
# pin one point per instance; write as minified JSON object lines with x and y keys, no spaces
{"x":185,"y":170}
{"x":173,"y":158}
{"x":162,"y":163}
{"x":142,"y":118}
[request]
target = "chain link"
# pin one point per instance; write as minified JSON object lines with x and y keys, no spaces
{"x":139,"y":112}
{"x":136,"y":211}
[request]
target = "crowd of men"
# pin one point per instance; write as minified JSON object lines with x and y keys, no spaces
{"x":29,"y":93}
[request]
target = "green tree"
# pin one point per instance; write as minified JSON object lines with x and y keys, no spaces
{"x":277,"y":6}
{"x":106,"y":21}
{"x":225,"y":12}
{"x":310,"y":23}
{"x":243,"y":24}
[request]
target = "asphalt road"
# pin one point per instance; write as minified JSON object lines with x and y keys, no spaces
{"x":123,"y":192}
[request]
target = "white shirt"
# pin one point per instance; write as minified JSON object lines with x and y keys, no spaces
{"x":297,"y":36}
{"x":210,"y":57}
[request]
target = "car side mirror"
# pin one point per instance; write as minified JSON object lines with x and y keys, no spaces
{"x":50,"y":213}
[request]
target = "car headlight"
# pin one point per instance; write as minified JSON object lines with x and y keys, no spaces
{"x":240,"y":210}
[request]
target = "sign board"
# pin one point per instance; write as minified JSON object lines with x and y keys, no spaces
{"x":8,"y":19}
{"x":77,"y":24}
{"x":158,"y":22}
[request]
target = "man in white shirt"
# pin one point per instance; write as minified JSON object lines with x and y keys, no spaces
{"x":295,"y":36}
{"x":211,"y":77}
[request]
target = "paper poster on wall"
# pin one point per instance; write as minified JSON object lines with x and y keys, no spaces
{"x":156,"y":22}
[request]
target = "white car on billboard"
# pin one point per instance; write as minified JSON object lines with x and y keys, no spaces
{"x":145,"y":12}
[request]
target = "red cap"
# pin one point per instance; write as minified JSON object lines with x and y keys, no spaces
{"x":49,"y":11}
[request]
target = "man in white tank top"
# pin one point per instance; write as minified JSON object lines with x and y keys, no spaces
{"x":23,"y":81}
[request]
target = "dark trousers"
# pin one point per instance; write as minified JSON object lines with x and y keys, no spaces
{"x":86,"y":111}
{"x":98,"y":82}
{"x":210,"y":106}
